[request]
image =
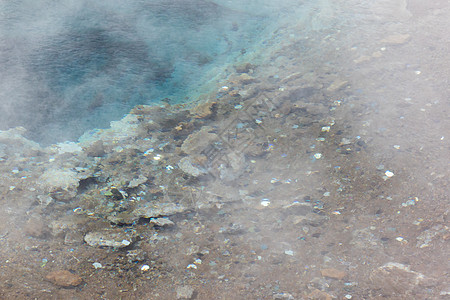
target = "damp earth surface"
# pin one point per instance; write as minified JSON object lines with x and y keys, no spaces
{"x":314,"y":166}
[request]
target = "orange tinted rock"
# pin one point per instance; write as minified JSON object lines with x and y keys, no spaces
{"x":333,"y":273}
{"x":318,"y":295}
{"x":64,"y":278}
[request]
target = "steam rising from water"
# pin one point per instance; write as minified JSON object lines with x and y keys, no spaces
{"x":70,"y":66}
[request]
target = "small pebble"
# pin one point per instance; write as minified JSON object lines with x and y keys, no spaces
{"x":389,"y":174}
{"x":97,"y":265}
{"x":265,"y":202}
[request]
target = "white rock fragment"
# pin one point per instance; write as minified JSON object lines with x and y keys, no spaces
{"x":389,"y":174}
{"x":116,"y":238}
{"x":283,"y":296}
{"x":289,"y":252}
{"x":145,"y":268}
{"x":161,"y":222}
{"x":97,"y":265}
{"x":67,"y":147}
{"x":265,"y":202}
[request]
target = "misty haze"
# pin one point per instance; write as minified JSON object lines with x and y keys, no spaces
{"x":200,"y":149}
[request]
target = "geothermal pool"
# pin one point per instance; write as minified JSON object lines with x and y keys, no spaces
{"x":71,"y":66}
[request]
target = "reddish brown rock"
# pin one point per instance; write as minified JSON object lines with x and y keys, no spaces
{"x":333,"y":273}
{"x":64,"y":278}
{"x":318,"y":295}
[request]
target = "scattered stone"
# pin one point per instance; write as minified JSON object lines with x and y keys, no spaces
{"x":333,"y":273}
{"x":162,"y":222}
{"x":14,"y":141}
{"x":60,"y":184}
{"x":35,"y":227}
{"x":283,"y":296}
{"x":96,"y":149}
{"x":204,"y":110}
{"x":44,"y":200}
{"x":243,"y":79}
{"x":158,"y":209}
{"x":67,"y":147}
{"x":73,"y":238}
{"x":289,"y":252}
{"x":64,"y":278}
{"x":187,"y":166}
{"x":185,"y":292}
{"x":397,"y":279}
{"x":136,"y":255}
{"x":244,"y":68}
{"x":137,"y":181}
{"x":396,"y":39}
{"x":199,"y":141}
{"x":116,"y":238}
{"x":426,"y":237}
{"x":361,"y":59}
{"x":234,"y":167}
{"x":319,"y":295}
{"x":337,"y":85}
{"x":97,"y":265}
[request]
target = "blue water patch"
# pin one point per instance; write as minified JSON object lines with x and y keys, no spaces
{"x":70,"y":67}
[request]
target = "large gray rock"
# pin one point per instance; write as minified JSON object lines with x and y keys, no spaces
{"x":61,"y":184}
{"x":190,"y":168}
{"x":199,"y":141}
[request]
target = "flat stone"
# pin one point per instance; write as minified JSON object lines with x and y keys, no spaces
{"x":64,"y":278}
{"x":161,"y":222}
{"x":62,"y":184}
{"x":199,"y":141}
{"x":333,"y":273}
{"x":137,"y":181}
{"x":116,"y":238}
{"x":396,"y":39}
{"x":158,"y":210}
{"x":398,"y":279}
{"x":337,"y":85}
{"x":187,"y":165}
{"x":185,"y":292}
